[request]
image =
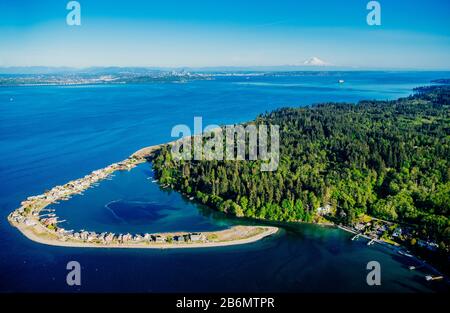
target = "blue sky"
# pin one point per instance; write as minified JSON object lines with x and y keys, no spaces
{"x":413,"y":34}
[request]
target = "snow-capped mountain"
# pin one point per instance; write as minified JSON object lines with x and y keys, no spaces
{"x":315,"y":61}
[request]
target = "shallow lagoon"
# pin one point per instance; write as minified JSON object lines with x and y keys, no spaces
{"x":130,"y":201}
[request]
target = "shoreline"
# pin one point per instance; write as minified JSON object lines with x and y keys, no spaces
{"x":397,"y":249}
{"x":256,"y":233}
{"x":30,"y":221}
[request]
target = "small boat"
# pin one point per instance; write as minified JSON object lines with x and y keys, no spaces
{"x":412,"y":267}
{"x":405,"y":253}
{"x":430,"y":277}
{"x":341,"y":81}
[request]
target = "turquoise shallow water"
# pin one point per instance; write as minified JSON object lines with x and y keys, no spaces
{"x":50,"y":135}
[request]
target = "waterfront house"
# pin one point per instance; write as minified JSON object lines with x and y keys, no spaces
{"x":158,"y":238}
{"x":397,"y":232}
{"x":382,"y":228}
{"x":102,"y":236}
{"x":84,"y":235}
{"x":109,"y":237}
{"x":432,"y":246}
{"x":326,"y":209}
{"x":127,"y":237}
{"x":196,"y":237}
{"x":29,"y":222}
{"x":92,"y":236}
{"x":179,"y":238}
{"x":49,"y":221}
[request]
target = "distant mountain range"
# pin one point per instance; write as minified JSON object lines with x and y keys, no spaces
{"x":43,"y":70}
{"x":312,"y":64}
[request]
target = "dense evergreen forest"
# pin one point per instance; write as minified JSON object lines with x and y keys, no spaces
{"x":386,"y":159}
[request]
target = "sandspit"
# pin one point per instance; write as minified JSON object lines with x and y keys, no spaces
{"x":43,"y":228}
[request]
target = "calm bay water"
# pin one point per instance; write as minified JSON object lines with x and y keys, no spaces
{"x":50,"y":135}
{"x":131,"y":202}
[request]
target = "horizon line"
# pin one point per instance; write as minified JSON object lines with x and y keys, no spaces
{"x":231,"y":67}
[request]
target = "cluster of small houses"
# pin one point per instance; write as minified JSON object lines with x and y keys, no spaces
{"x":108,"y":238}
{"x":36,"y":203}
{"x":105,"y":237}
{"x":376,"y":230}
{"x":28,"y":213}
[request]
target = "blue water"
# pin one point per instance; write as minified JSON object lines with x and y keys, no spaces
{"x":131,"y":202}
{"x":50,"y":135}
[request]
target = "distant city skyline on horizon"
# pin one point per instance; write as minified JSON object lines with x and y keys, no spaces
{"x":202,"y":34}
{"x":40,"y":69}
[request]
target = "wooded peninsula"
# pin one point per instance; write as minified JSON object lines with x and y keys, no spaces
{"x":381,"y":167}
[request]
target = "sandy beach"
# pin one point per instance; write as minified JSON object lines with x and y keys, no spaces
{"x":236,"y":235}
